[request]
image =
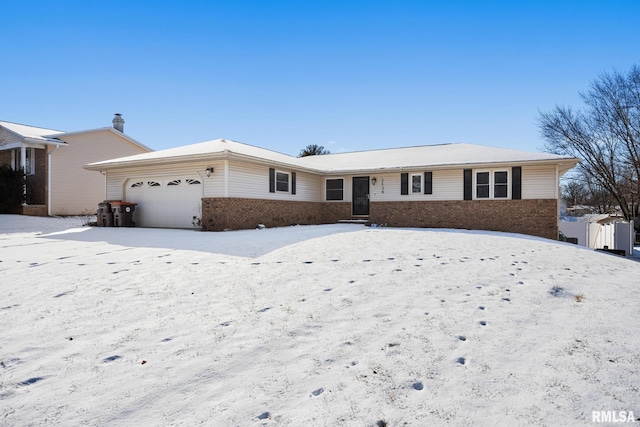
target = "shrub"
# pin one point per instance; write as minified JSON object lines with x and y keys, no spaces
{"x":11,"y":189}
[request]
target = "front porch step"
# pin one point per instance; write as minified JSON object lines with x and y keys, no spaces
{"x":353,"y":221}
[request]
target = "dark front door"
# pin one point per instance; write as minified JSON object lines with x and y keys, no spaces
{"x":360,"y":195}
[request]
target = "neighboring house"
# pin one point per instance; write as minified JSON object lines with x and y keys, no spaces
{"x":57,"y":183}
{"x":229,"y":185}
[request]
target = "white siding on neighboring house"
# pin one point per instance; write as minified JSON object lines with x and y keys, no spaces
{"x":539,"y":182}
{"x":7,"y":137}
{"x":75,"y":190}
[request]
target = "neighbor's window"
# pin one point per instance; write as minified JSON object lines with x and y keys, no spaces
{"x":492,"y":185}
{"x":416,"y":183}
{"x":500,"y":184}
{"x":16,"y":160}
{"x":282,"y":181}
{"x":335,"y":189}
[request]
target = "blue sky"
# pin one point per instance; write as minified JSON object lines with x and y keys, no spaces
{"x":348,"y":75}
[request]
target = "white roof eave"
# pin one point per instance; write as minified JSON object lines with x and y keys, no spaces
{"x":568,"y":164}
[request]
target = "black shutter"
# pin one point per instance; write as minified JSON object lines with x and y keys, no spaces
{"x":468,"y":184}
{"x":516,"y":186}
{"x":404,"y":183}
{"x":293,"y":183}
{"x":428,"y":183}
{"x":272,"y":180}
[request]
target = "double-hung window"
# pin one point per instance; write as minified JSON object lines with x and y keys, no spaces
{"x":492,"y":185}
{"x":282,"y":181}
{"x":335,"y":189}
{"x":416,"y":183}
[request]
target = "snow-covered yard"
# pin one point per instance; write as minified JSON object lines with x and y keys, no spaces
{"x":310,"y":326}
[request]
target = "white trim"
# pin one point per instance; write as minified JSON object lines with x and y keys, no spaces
{"x":492,"y":184}
{"x":226,"y":178}
{"x":325,"y":188}
{"x":288,"y":174}
{"x":419,"y":175}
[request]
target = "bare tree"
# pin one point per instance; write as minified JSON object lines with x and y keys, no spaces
{"x":313,"y":150}
{"x":605,"y":135}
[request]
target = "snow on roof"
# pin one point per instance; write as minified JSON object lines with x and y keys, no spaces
{"x":31,"y":132}
{"x":424,"y":156}
{"x":104,"y":129}
{"x":392,"y":158}
{"x":200,"y":150}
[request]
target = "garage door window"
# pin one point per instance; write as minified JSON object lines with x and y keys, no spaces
{"x":137,"y":184}
{"x":153,"y":184}
{"x":174,"y":182}
{"x":193,"y":182}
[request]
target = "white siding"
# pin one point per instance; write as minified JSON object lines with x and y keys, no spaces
{"x":447,"y":185}
{"x":539,"y":182}
{"x":75,"y":190}
{"x":248,"y":180}
{"x":7,"y":137}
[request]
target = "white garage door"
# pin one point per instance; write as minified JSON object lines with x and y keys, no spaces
{"x":170,"y":203}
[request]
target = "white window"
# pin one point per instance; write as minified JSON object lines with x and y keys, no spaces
{"x":416,"y":183}
{"x":335,"y":189}
{"x":282,"y":181}
{"x":492,"y":184}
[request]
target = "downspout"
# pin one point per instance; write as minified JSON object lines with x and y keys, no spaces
{"x":49,"y":179}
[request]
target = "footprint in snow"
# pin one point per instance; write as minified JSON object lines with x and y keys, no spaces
{"x":327,"y":290}
{"x":483,"y":323}
{"x":31,"y":381}
{"x":264,"y":310}
{"x":461,"y":360}
{"x":111,"y":358}
{"x":481,"y":307}
{"x":462,"y":338}
{"x":264,"y":416}
{"x":418,"y":386}
{"x":317,"y":392}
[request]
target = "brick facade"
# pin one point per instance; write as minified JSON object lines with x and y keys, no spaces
{"x":534,"y":217}
{"x":234,"y":213}
{"x":36,"y":183}
{"x":5,"y":157}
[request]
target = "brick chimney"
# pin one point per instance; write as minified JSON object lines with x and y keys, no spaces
{"x":118,"y":122}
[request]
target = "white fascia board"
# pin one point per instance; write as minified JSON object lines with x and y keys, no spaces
{"x":568,"y":164}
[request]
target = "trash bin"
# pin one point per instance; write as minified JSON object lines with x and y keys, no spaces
{"x":123,"y":214}
{"x":105,"y":215}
